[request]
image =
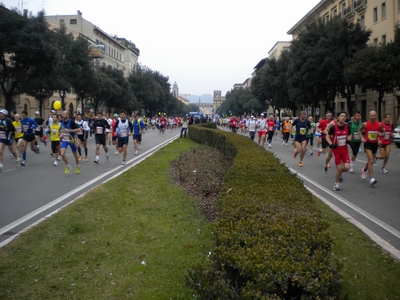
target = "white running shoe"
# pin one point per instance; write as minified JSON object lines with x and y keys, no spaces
{"x":351,"y":169}
{"x":107,"y":157}
{"x":116,"y":152}
{"x":269,"y":145}
{"x":372,"y":181}
{"x":123,"y":162}
{"x":336,"y":187}
{"x":136,"y":152}
{"x":55,"y":163}
{"x":384,"y":171}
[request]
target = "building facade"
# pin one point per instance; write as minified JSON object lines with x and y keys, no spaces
{"x":379,"y":16}
{"x":278,"y":48}
{"x":217,"y":100}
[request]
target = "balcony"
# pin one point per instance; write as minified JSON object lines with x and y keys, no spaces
{"x":360,"y":6}
{"x":349,"y":13}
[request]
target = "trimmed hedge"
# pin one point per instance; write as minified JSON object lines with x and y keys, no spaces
{"x":270,"y":240}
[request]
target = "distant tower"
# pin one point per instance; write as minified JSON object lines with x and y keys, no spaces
{"x":175,"y":90}
{"x":199,"y":102}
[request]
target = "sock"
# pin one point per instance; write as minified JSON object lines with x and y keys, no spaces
{"x":351,"y":163}
{"x":35,"y":143}
{"x":85,"y":151}
{"x":97,"y":157}
{"x":79,"y":152}
{"x":24,"y":156}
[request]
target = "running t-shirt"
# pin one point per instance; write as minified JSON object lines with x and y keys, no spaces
{"x":386,"y":139}
{"x":301,"y":128}
{"x":339,"y":135}
{"x":6,"y":129}
{"x":372,"y":131}
{"x":28,"y":125}
{"x":261,"y":123}
{"x":18,"y":130}
{"x":353,"y":128}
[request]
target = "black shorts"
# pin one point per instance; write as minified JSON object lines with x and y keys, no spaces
{"x":301,"y":138}
{"x":83,"y":137}
{"x":39,"y":132}
{"x":114,"y":138}
{"x":123,"y":141}
{"x":324,"y":143}
{"x":100,"y":139}
{"x":16,"y":140}
{"x":54,"y":146}
{"x":137,"y":137}
{"x":355,"y":147}
{"x":383,"y":146}
{"x":29,"y":137}
{"x":371,"y":146}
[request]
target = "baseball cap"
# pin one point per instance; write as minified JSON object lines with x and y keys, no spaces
{"x":3,"y":111}
{"x":262,"y":114}
{"x":252,"y":117}
{"x":37,"y":112}
{"x":115,"y":115}
{"x":53,"y":111}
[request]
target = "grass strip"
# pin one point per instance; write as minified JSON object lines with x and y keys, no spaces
{"x":368,"y":273}
{"x":133,"y":237}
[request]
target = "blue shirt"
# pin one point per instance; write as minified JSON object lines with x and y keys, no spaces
{"x":28,"y":125}
{"x":137,"y":126}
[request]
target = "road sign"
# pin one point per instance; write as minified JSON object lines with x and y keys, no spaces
{"x":317,"y":111}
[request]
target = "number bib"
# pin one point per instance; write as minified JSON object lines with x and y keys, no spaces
{"x":18,"y":129}
{"x":66,"y":137}
{"x":123,"y":133}
{"x":372,"y":135}
{"x":387,"y":135}
{"x":341,"y":140}
{"x":25,"y":127}
{"x":99,"y":130}
{"x":356,"y":136}
{"x":2,"y":135}
{"x":303,"y":131}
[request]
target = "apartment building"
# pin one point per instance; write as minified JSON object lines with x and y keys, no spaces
{"x":278,"y":48}
{"x":380,"y":16}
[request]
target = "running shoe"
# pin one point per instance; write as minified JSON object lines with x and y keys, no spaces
{"x":384,"y":171}
{"x":269,"y":145}
{"x":325,"y":169}
{"x":96,"y":161}
{"x":59,"y":158}
{"x":318,"y":153}
{"x":55,"y":163}
{"x":300,"y":164}
{"x":18,"y":162}
{"x":86,"y":158}
{"x":37,"y":150}
{"x":80,"y":157}
{"x":107,"y":157}
{"x":78,"y":170}
{"x":285,"y":144}
{"x":341,"y":178}
{"x":328,"y":165}
{"x":362,"y":173}
{"x":123,"y":162}
{"x":1,"y":167}
{"x":294,"y":154}
{"x":351,"y":170}
{"x":67,"y":169}
{"x":136,"y":152}
{"x":375,"y":159}
{"x":116,"y":152}
{"x":336,"y":187}
{"x":23,"y":163}
{"x":311,"y":153}
{"x":372,"y":181}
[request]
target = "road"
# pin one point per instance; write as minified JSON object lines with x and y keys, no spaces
{"x":30,"y":193}
{"x":375,"y":208}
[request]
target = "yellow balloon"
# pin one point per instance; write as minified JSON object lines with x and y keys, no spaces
{"x":57,"y":105}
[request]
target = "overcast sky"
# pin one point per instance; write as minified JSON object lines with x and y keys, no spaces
{"x":202,"y":45}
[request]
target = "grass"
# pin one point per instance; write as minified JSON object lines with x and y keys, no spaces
{"x":136,"y":236}
{"x":133,"y":237}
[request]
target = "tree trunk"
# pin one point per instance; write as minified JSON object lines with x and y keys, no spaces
{"x":380,"y":98}
{"x":8,"y":94}
{"x":62,"y":95}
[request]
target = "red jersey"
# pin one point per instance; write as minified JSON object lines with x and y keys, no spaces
{"x":113,"y":131}
{"x":371,"y":132}
{"x":163,"y":121}
{"x":386,"y":139}
{"x":340,"y":137}
{"x":270,"y":125}
{"x":233,"y":122}
{"x":322,"y":126}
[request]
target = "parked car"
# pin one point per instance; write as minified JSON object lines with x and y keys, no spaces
{"x":396,"y":138}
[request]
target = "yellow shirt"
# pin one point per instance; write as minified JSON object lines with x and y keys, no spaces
{"x":55,"y":132}
{"x":18,"y":133}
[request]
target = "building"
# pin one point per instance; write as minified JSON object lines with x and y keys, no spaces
{"x":206,"y":109}
{"x":175,"y":93}
{"x":217,"y":100}
{"x":278,"y":48}
{"x":380,"y":16}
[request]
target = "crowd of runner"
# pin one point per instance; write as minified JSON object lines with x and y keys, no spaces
{"x":334,"y":137}
{"x":63,"y":131}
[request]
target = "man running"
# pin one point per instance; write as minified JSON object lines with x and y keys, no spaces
{"x":6,"y":137}
{"x":99,"y":128}
{"x":286,"y":130}
{"x":261,"y":126}
{"x":82,"y":136}
{"x":18,"y":136}
{"x":270,"y":130}
{"x":310,"y":134}
{"x":68,"y":132}
{"x":251,"y":126}
{"x":28,"y":126}
{"x":355,"y":141}
{"x":163,"y":123}
{"x":322,"y":126}
{"x":123,"y":128}
{"x":337,"y":139}
{"x":300,"y":140}
{"x":114,"y":135}
{"x":55,"y":132}
{"x":386,"y":140}
{"x":39,"y":131}
{"x":138,"y":126}
{"x":373,"y":129}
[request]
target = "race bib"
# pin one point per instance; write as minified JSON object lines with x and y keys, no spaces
{"x":2,"y":135}
{"x":99,"y":130}
{"x":18,"y":129}
{"x":303,"y":131}
{"x":25,"y":127}
{"x":54,"y":133}
{"x":341,"y":140}
{"x":66,"y":137}
{"x":387,"y":135}
{"x":270,"y":128}
{"x":123,"y":133}
{"x":356,"y":136}
{"x":37,"y":129}
{"x":372,"y":135}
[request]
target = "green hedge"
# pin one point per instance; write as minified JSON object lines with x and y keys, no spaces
{"x":270,"y":240}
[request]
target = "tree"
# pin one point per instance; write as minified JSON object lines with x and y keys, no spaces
{"x":24,"y":51}
{"x":238,"y":102}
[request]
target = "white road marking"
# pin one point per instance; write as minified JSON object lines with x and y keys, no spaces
{"x":34,"y":213}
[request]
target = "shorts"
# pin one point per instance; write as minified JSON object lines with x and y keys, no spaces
{"x":371,"y":146}
{"x":82,"y":137}
{"x":384,"y":146}
{"x":66,"y":144}
{"x":123,"y":141}
{"x":324,"y":143}
{"x":114,"y":138}
{"x":17,"y":139}
{"x":55,"y":145}
{"x":300,"y":138}
{"x":29,"y":137}
{"x":40,"y":132}
{"x":311,"y":139}
{"x":261,"y":132}
{"x":162,"y":126}
{"x":341,"y":156}
{"x":355,"y":147}
{"x":100,"y":139}
{"x":7,"y":142}
{"x":137,"y":137}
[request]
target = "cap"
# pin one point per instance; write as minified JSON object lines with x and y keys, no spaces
{"x":262,"y":114}
{"x":115,"y":115}
{"x":53,"y":111}
{"x":252,"y":117}
{"x":3,"y":111}
{"x":37,"y":113}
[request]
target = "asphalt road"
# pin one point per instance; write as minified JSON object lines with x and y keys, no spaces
{"x":376,"y":209}
{"x":27,"y":194}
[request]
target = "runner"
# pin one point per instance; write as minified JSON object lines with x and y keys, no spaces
{"x":300,"y":140}
{"x":55,"y":132}
{"x":108,"y":131}
{"x":28,"y":126}
{"x":39,"y":131}
{"x":123,"y":128}
{"x":82,"y":136}
{"x":68,"y":131}
{"x":6,"y":137}
{"x":261,"y":126}
{"x":138,"y":126}
{"x":337,"y":139}
{"x":372,"y":129}
{"x":310,"y":134}
{"x":286,"y":130}
{"x":18,"y":136}
{"x":251,"y":126}
{"x":114,"y":134}
{"x":322,"y":126}
{"x":386,"y":140}
{"x":270,"y":130}
{"x":163,"y":123}
{"x":233,"y":123}
{"x":355,"y":141}
{"x":184,"y":127}
{"x":99,"y":128}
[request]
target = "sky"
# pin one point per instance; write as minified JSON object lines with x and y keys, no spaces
{"x":201,"y":45}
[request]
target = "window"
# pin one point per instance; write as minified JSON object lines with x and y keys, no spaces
{"x":335,"y":12}
{"x":398,"y":6}
{"x":362,"y":21}
{"x":62,"y":22}
{"x":73,"y":22}
{"x":343,"y":8}
{"x":383,"y":7}
{"x":375,"y":14}
{"x":384,"y":39}
{"x":375,"y":42}
{"x":326,"y":18}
